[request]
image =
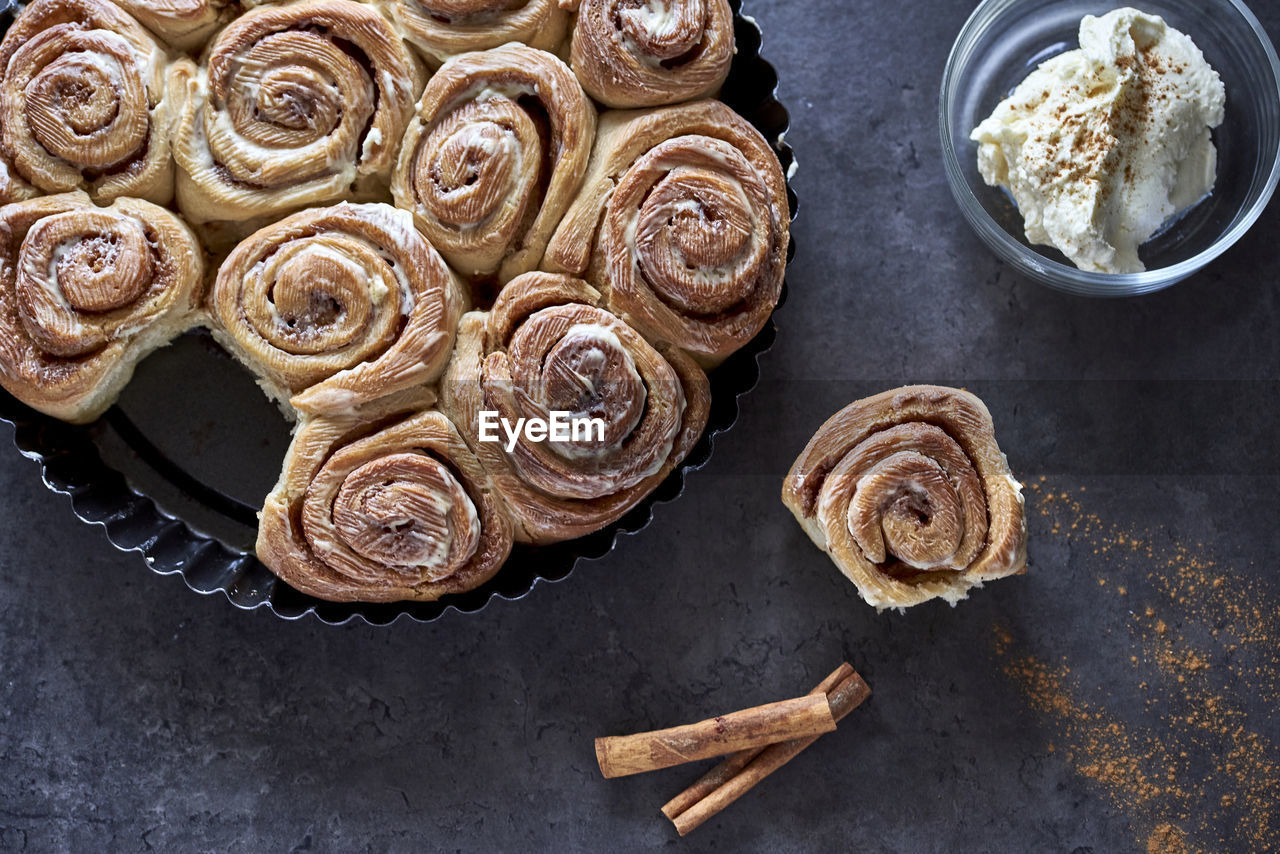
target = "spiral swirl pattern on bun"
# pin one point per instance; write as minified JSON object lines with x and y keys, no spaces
{"x":336,"y":307}
{"x":911,"y":496}
{"x":492,"y":160}
{"x":646,"y":54}
{"x":549,"y":346}
{"x":84,"y":104}
{"x":683,"y":223}
{"x":85,"y":293}
{"x":381,"y":513}
{"x":296,"y":104}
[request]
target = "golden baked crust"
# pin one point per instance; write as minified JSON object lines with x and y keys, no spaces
{"x":336,"y":307}
{"x":442,"y":29}
{"x":682,"y":222}
{"x":84,"y":104}
{"x":182,"y":24}
{"x":549,"y":345}
{"x":487,"y":173}
{"x":383,"y":512}
{"x":85,"y":293}
{"x":630,"y":55}
{"x":910,"y":495}
{"x":293,"y":105}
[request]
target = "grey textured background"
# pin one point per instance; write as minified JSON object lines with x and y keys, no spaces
{"x":136,"y":715}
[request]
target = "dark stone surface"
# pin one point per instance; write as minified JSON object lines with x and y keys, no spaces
{"x":136,"y":715}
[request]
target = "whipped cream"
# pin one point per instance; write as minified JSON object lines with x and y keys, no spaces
{"x":1102,"y":145}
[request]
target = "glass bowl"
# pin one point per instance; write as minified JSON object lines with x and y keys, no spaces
{"x":1005,"y":40}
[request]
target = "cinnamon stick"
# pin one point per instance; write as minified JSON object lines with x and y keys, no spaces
{"x":803,"y":717}
{"x":844,"y":698}
{"x":722,"y":773}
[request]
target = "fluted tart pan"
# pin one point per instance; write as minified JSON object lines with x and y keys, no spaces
{"x":178,"y":477}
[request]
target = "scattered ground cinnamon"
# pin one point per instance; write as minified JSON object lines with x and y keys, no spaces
{"x":1133,"y":766}
{"x":1202,"y":635}
{"x":1166,"y":839}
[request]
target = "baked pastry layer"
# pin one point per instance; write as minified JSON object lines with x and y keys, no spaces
{"x":683,"y":224}
{"x":442,"y":29}
{"x":293,"y":105}
{"x":182,"y":24}
{"x":631,"y":54}
{"x":85,"y":104}
{"x":547,"y":346}
{"x":910,"y":495}
{"x":376,"y":510}
{"x":336,"y":307}
{"x":85,"y":293}
{"x":494,"y":156}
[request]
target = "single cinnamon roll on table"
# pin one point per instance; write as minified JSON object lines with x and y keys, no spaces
{"x":84,"y":104}
{"x":494,"y":156}
{"x":336,"y":307}
{"x":683,"y":224}
{"x":549,"y":346}
{"x":294,"y":104}
{"x":85,"y":293}
{"x":638,"y":54}
{"x":442,"y":29}
{"x":383,"y":512}
{"x":910,"y":495}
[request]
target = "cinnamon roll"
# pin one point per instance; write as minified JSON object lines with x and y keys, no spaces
{"x":84,"y":104}
{"x":183,"y":24}
{"x":85,"y":293}
{"x":494,"y":156}
{"x":550,"y":346}
{"x":910,"y":495}
{"x":335,"y":307}
{"x":645,"y":53}
{"x":442,"y":29}
{"x":383,"y":513}
{"x":297,"y":104}
{"x":682,"y":221}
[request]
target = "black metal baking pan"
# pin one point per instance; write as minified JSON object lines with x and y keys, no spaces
{"x":178,"y":468}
